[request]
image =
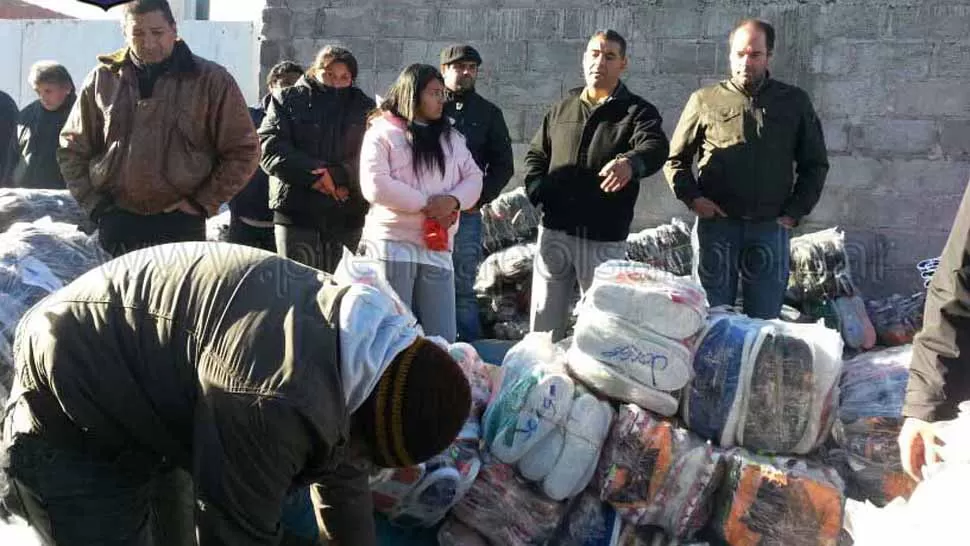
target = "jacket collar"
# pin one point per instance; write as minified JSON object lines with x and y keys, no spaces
{"x":454,"y":96}
{"x":182,"y":60}
{"x":765,"y":84}
{"x":620,"y":93}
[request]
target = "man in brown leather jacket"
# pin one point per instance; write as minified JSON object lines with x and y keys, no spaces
{"x":254,"y":374}
{"x":158,"y":139}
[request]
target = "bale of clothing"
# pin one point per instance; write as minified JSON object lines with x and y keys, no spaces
{"x":508,"y":220}
{"x":28,"y":205}
{"x":666,"y":247}
{"x":873,"y":388}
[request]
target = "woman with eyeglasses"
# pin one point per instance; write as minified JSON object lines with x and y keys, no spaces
{"x":311,"y":138}
{"x":417,"y":174}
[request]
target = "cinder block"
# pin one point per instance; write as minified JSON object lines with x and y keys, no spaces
{"x":921,"y":178}
{"x":836,"y":133}
{"x":956,"y":138}
{"x":854,"y":21}
{"x":717,"y":22}
{"x":308,"y":24}
{"x":461,"y":24}
{"x":304,"y":50}
{"x":906,"y":61}
{"x":523,"y":24}
{"x":389,"y":55}
{"x":580,"y":24}
{"x":499,"y":57}
{"x":403,"y":22}
{"x":667,"y":91}
{"x":929,"y":21}
{"x":953,"y":60}
{"x":939,"y":97}
{"x":844,"y":97}
{"x":896,"y":136}
{"x":857,"y":173}
{"x":514,"y":118}
{"x":563,"y":57}
{"x":356,"y":21}
{"x":678,"y":22}
{"x":532,"y":120}
{"x":362,"y":49}
{"x":687,"y":57}
{"x":277,"y":24}
{"x":527,"y":89}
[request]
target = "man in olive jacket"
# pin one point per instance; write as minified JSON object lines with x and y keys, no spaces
{"x":254,"y":373}
{"x":939,"y":373}
{"x":752,"y":132}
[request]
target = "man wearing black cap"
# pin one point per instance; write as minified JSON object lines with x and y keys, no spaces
{"x":254,"y":373}
{"x":487,"y":138}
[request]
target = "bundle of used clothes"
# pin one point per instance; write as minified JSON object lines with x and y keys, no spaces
{"x":632,"y":337}
{"x":778,"y":502}
{"x":35,"y":259}
{"x":766,"y":385}
{"x":503,"y":285}
{"x":655,"y":473}
{"x":666,"y":247}
{"x":873,"y":389}
{"x":551,"y":429}
{"x":25,"y":205}
{"x":508,"y":220}
{"x":819,"y":267}
{"x":897,"y":318}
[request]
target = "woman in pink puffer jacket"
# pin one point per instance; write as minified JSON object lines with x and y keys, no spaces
{"x":417,"y":173}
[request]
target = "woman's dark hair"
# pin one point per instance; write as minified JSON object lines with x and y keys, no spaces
{"x":404,"y":100}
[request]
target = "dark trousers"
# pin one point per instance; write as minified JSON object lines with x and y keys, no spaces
{"x":242,"y":233}
{"x":316,"y":247}
{"x":726,"y":249}
{"x":120,"y":231}
{"x":73,"y":496}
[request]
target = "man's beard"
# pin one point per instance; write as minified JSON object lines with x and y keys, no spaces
{"x":750,"y":82}
{"x":465,"y":84}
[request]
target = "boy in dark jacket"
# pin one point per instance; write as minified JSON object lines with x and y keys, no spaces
{"x":254,"y":374}
{"x":251,"y":220}
{"x":311,"y":140}
{"x":584,"y":168}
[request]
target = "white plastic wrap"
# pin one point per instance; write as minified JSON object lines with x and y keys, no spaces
{"x":606,"y":381}
{"x":369,"y":271}
{"x":217,"y":227}
{"x":819,"y":267}
{"x":674,"y":307}
{"x":648,"y":358}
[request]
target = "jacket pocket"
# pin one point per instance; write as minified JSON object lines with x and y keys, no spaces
{"x":190,"y":157}
{"x":725,"y":126}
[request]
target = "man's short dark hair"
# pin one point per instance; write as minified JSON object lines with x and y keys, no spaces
{"x":611,"y":35}
{"x":141,"y":7}
{"x":280,"y":70}
{"x":760,"y":24}
{"x":49,"y":72}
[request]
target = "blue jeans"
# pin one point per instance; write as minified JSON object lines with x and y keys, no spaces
{"x":467,"y":256}
{"x":726,"y":249}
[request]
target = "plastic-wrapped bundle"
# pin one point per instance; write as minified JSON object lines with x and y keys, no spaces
{"x":421,"y":496}
{"x":648,"y":358}
{"x":778,"y":502}
{"x":713,"y":397}
{"x":369,"y":271}
{"x":508,"y":220}
{"x":605,"y":380}
{"x":819,"y":266}
{"x":511,"y":330}
{"x":656,"y":473}
{"x":507,"y":511}
{"x":542,"y":423}
{"x":666,"y":247}
{"x":456,"y":533}
{"x":24,"y":205}
{"x":512,"y":264}
{"x":873,"y":389}
{"x":674,"y":307}
{"x":792,"y":393}
{"x":854,"y":324}
{"x":478,"y":372}
{"x":767,"y":385}
{"x":897,"y":318}
{"x":589,"y":522}
{"x":36,"y":259}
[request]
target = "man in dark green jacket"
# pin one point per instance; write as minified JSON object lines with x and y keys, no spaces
{"x":751,"y":132}
{"x":939,"y":374}
{"x":254,"y":374}
{"x":584,"y":169}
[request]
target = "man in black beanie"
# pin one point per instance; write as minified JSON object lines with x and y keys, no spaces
{"x":251,"y":372}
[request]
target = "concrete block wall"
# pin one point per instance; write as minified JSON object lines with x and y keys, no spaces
{"x":889,"y":79}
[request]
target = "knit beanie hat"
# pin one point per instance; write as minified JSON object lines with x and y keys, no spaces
{"x":417,"y":408}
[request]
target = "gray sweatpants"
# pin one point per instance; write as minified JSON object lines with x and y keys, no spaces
{"x":561,"y":261}
{"x":430,"y":293}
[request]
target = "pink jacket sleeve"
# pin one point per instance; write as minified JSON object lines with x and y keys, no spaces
{"x":469,"y":187}
{"x":376,"y":183}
